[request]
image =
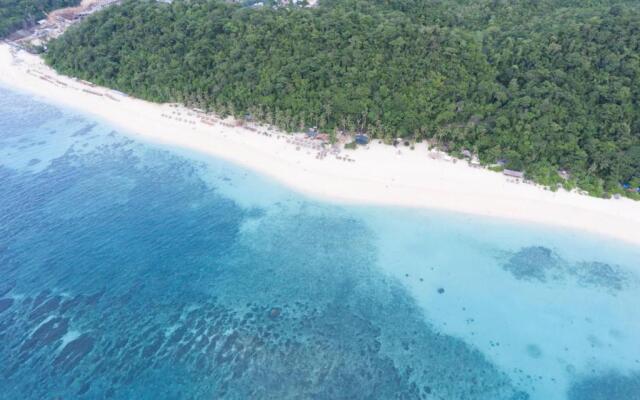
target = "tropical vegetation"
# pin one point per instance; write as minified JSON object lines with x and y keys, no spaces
{"x":544,"y":86}
{"x":18,"y":14}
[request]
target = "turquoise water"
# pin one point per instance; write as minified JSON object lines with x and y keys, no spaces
{"x":130,"y":270}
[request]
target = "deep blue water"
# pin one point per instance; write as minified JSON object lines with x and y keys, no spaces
{"x":133,"y":271}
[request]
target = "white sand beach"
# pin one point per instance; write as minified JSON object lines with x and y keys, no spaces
{"x":379,"y":174}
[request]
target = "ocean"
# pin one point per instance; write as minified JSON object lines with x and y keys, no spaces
{"x":130,"y":270}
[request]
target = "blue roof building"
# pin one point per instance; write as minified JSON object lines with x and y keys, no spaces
{"x":362,"y":139}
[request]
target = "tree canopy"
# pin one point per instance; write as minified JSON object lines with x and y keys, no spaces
{"x":17,"y":14}
{"x":544,"y":85}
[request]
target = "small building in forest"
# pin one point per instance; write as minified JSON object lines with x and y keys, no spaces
{"x":564,"y":174}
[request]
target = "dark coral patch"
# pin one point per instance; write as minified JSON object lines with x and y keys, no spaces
{"x":84,"y":130}
{"x":610,"y":386}
{"x":47,"y":333}
{"x":532,"y":263}
{"x":541,"y":264}
{"x":599,"y":274}
{"x":46,"y":308}
{"x":5,"y":304}
{"x":73,"y":353}
{"x":6,"y":287}
{"x":42,"y":296}
{"x":153,"y":347}
{"x":94,"y":298}
{"x":84,"y":388}
{"x":71,"y":303}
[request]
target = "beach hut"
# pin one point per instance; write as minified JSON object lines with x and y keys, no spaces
{"x":362,"y":139}
{"x":513,"y":174}
{"x":467,"y":153}
{"x":312,"y":132}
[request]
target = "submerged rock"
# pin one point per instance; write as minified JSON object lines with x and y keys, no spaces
{"x":275,"y":312}
{"x":534,"y":351}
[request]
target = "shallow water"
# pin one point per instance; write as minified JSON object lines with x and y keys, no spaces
{"x":130,"y":270}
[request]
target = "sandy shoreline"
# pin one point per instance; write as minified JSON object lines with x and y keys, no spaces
{"x":378,"y":175}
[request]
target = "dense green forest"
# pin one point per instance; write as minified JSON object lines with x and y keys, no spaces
{"x":545,"y":85}
{"x":17,"y":14}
